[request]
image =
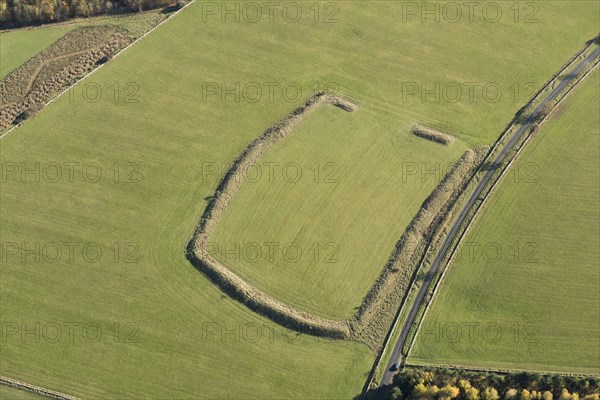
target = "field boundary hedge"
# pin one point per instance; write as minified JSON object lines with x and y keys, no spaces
{"x":22,"y":14}
{"x":459,"y":367}
{"x":35,"y":389}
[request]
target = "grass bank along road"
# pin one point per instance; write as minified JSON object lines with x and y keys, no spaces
{"x":396,"y":356}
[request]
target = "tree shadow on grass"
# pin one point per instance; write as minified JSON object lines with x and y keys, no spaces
{"x":379,"y":393}
{"x":170,"y":9}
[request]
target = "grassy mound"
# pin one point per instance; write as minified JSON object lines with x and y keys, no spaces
{"x":432,"y":134}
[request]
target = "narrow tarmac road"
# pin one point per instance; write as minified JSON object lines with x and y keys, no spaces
{"x":396,"y":356}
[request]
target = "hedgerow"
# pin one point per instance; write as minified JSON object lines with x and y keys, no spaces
{"x":15,"y":13}
{"x":444,"y":383}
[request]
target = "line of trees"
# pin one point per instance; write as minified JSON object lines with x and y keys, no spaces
{"x":14,"y":13}
{"x":448,"y":384}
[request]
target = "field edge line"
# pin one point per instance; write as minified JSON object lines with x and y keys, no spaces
{"x":52,"y":394}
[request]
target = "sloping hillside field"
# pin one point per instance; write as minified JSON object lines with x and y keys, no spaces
{"x":523,"y":293}
{"x":104,"y":188}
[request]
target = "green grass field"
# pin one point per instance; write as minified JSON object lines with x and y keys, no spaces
{"x":540,"y":303}
{"x":166,"y":137}
{"x":18,"y":46}
{"x":10,"y":393}
{"x":324,"y":212}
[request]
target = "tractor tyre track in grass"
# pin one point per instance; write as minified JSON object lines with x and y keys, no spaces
{"x":437,"y":265}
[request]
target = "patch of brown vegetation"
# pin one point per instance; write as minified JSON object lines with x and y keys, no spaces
{"x":432,"y":134}
{"x":53,"y":70}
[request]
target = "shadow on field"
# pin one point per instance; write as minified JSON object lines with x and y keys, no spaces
{"x":489,"y":166}
{"x":170,"y":9}
{"x":379,"y":393}
{"x":566,"y":77}
{"x":595,"y":40}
